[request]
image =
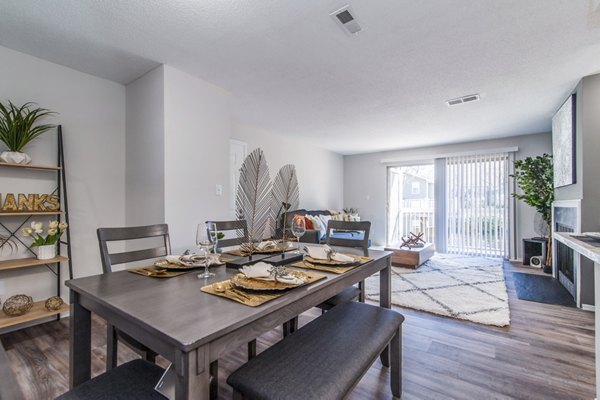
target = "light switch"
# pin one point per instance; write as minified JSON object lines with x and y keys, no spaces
{"x":219,"y":190}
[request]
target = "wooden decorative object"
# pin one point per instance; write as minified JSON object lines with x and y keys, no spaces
{"x":18,"y":304}
{"x":54,"y":303}
{"x":21,"y":202}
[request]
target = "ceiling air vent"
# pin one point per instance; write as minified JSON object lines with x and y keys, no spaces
{"x":345,"y":19}
{"x":464,"y":99}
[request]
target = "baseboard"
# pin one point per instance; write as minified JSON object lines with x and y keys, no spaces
{"x":588,"y":307}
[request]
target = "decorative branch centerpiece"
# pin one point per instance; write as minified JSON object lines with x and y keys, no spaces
{"x":18,"y":128}
{"x":252,"y":202}
{"x":285,"y":196}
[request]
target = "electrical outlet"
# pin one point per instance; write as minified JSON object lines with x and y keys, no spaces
{"x":219,"y":190}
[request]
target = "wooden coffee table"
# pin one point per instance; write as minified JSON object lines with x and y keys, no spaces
{"x":411,"y":258}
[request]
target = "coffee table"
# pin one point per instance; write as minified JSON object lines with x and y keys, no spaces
{"x":411,"y":258}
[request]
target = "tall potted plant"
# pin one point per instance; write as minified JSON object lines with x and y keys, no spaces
{"x":535,"y":177}
{"x":18,"y":128}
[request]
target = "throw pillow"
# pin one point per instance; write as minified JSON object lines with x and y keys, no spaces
{"x":308,"y":222}
{"x":325,"y":219}
{"x":318,"y":224}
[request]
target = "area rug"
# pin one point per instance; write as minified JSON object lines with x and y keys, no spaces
{"x":456,"y":286}
{"x":541,"y":289}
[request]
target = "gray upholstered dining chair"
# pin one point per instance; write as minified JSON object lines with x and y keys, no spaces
{"x":106,"y":235}
{"x":241,"y":231}
{"x":357,"y":237}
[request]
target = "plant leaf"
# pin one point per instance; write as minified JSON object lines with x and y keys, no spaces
{"x":285,"y":190}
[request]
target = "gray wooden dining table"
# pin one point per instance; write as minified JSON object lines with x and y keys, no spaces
{"x":191,"y":328}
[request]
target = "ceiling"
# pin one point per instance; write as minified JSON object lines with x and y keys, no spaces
{"x":292,"y":70}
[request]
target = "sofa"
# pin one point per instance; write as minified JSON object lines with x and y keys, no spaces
{"x":316,"y":234}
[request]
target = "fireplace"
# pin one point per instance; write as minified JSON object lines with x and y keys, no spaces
{"x":566,"y":218}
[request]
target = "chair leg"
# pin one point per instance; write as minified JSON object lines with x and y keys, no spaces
{"x":396,"y":363}
{"x":286,"y":328}
{"x":251,"y":349}
{"x":214,"y":380}
{"x":111,"y":347}
{"x":361,"y":296}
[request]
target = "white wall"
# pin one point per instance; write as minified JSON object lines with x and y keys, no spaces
{"x":365,"y":179}
{"x":320,"y":171}
{"x":92,"y":112}
{"x":197,"y":131}
{"x":145,"y":157}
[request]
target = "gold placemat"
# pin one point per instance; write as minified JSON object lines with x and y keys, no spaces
{"x":330,"y":268}
{"x":153,"y":272}
{"x":252,"y":298}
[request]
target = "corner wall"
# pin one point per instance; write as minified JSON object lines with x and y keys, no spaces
{"x":92,"y":113}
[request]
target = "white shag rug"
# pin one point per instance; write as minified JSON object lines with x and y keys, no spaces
{"x":456,"y":286}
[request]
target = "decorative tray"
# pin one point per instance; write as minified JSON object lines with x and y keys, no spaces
{"x":357,"y":261}
{"x":241,"y":281}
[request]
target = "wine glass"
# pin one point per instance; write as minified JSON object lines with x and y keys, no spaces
{"x":206,"y":238}
{"x":298,"y":229}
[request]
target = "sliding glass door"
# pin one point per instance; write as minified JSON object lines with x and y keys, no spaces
{"x":477,"y":204}
{"x":410,"y":202}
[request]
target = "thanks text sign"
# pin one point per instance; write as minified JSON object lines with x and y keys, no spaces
{"x":12,"y":203}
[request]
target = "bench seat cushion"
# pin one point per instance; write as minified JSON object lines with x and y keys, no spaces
{"x":134,"y":380}
{"x":322,"y":360}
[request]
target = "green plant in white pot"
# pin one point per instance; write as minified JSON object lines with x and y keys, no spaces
{"x":18,"y":128}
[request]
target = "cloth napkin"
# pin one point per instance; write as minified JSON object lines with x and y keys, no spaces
{"x":266,"y":245}
{"x":190,"y":260}
{"x":261,"y":271}
{"x":321,"y":253}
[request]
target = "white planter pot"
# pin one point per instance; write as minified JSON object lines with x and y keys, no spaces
{"x":15,"y":157}
{"x":46,"y":252}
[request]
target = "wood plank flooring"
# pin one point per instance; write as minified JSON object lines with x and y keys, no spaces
{"x":546,"y":353}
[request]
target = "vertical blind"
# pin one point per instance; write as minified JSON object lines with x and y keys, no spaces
{"x":477,"y":204}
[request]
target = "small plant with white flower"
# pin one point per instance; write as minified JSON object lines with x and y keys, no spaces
{"x":49,"y":237}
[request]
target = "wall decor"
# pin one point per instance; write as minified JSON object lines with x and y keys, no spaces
{"x":10,"y":203}
{"x":563,"y":143}
{"x":54,"y":303}
{"x":253,"y":202}
{"x":285,"y":196}
{"x":18,"y":304}
{"x":17,"y":130}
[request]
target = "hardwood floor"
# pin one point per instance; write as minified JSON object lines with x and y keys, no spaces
{"x":546,"y":353}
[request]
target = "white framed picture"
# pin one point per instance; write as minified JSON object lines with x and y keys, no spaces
{"x":563,"y":144}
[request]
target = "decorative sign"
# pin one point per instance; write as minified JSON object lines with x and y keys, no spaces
{"x":11,"y":203}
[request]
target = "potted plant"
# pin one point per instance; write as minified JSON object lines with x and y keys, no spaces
{"x":46,"y":244}
{"x":18,"y":128}
{"x":535,"y":177}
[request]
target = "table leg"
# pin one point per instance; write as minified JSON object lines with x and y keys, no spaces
{"x":81,"y":343}
{"x":193,"y":374}
{"x":385,"y":300}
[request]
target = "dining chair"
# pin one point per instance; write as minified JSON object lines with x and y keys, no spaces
{"x":357,"y":237}
{"x":241,"y":232}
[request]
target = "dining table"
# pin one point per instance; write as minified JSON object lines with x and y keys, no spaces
{"x":191,"y":328}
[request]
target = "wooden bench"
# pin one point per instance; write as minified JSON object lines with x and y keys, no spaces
{"x":326,"y":358}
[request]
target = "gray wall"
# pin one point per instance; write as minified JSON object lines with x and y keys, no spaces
{"x":586,"y":187}
{"x":365,"y":179}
